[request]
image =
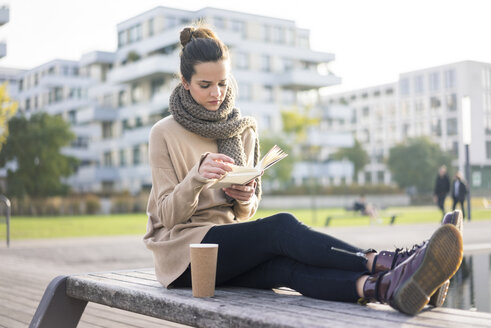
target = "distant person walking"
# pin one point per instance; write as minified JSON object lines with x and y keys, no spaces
{"x":459,"y":191}
{"x":442,"y":188}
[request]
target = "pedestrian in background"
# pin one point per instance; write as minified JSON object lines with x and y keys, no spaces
{"x":459,"y":191}
{"x":442,"y":188}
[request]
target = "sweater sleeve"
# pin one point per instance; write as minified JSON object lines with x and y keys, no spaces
{"x":176,"y":201}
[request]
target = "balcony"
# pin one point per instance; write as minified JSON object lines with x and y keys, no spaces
{"x":97,"y":174}
{"x":96,"y":113}
{"x":145,"y":68}
{"x":306,"y":80}
{"x":65,"y":105}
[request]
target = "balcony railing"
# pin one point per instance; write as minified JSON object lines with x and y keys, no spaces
{"x":145,"y":68}
{"x":306,"y":79}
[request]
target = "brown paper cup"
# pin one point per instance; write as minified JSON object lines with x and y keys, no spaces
{"x":203,"y":269}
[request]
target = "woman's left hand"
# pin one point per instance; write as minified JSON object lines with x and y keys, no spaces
{"x":242,"y":192}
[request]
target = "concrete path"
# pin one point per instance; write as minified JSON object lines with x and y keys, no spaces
{"x":28,"y":266}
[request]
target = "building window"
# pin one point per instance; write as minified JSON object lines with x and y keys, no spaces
{"x":488,"y":149}
{"x":434,"y":81}
{"x":452,"y":126}
{"x":219,"y":23}
{"x":107,"y":130}
{"x":287,"y":96}
{"x":267,"y":124}
{"x":245,"y":92}
{"x":380,"y":176}
{"x":266,"y":33}
{"x":242,"y":60}
{"x":239,"y":27}
{"x":170,"y":21}
{"x":135,"y":33}
{"x":278,"y":34}
{"x":108,"y":161}
{"x":487,"y":123}
{"x":157,"y":86}
{"x":122,"y":158}
{"x":365,"y":111}
{"x":451,"y":102}
{"x":266,"y":63}
{"x":436,"y":127}
{"x":418,"y":84}
{"x":136,"y":155}
{"x":455,"y":149}
{"x":368,"y":177}
{"x":287,"y":64}
{"x":404,"y":87}
{"x":72,"y":117}
{"x":449,"y":79}
{"x":121,"y":38}
{"x":268,"y":93}
{"x":150,"y":27}
{"x":435,"y":103}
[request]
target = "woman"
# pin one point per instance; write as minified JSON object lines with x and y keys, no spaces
{"x":459,"y":192}
{"x":192,"y":148}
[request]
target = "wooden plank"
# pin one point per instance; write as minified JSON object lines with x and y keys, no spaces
{"x":251,"y":307}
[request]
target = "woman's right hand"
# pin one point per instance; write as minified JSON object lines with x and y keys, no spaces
{"x":215,"y":166}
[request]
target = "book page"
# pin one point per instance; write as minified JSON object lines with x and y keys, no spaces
{"x":243,"y":175}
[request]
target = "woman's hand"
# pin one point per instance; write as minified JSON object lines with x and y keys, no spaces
{"x":215,"y":166}
{"x":242,"y":192}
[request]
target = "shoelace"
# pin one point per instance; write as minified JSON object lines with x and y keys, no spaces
{"x":407,"y":252}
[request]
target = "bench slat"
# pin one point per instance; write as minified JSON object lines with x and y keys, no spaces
{"x":139,"y":292}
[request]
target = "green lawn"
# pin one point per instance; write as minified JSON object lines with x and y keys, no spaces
{"x":134,"y":224}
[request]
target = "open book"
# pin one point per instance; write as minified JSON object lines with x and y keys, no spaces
{"x":242,"y":175}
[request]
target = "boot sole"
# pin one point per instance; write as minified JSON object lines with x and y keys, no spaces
{"x":438,"y":298}
{"x":441,"y":260}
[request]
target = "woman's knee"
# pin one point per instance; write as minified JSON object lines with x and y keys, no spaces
{"x":284,"y":219}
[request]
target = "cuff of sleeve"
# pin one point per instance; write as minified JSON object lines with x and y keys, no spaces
{"x":194,"y":172}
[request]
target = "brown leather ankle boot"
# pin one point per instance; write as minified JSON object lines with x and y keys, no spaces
{"x":410,"y":284}
{"x":387,"y":260}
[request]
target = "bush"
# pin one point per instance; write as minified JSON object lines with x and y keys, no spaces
{"x":353,"y":189}
{"x":92,"y":204}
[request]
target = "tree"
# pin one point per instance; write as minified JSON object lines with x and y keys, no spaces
{"x":281,"y":172}
{"x":415,"y":163}
{"x":8,"y":108}
{"x":356,"y":155}
{"x":34,"y":145}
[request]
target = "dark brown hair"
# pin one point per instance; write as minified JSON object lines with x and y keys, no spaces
{"x":199,"y":45}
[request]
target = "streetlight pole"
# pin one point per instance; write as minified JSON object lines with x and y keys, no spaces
{"x":466,"y":137}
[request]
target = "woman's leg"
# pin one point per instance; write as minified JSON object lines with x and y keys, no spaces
{"x":243,"y":246}
{"x":312,"y":281}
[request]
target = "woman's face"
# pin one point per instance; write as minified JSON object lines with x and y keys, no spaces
{"x":209,"y":84}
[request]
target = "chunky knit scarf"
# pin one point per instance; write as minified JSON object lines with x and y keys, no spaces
{"x":225,"y":125}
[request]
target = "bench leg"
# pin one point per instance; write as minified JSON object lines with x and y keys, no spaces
{"x":56,"y":309}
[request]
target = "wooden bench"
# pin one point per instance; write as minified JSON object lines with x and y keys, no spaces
{"x":138,"y":291}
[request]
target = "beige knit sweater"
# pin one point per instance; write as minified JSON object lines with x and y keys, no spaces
{"x":181,"y":209}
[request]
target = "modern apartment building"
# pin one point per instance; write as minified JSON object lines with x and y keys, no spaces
{"x":113,"y":99}
{"x":4,"y":19}
{"x":424,"y":102}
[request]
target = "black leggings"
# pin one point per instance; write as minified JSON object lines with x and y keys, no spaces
{"x":280,"y":251}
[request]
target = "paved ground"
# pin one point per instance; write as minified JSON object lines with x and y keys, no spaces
{"x":28,"y":266}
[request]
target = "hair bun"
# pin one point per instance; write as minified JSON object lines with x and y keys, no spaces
{"x":186,"y":35}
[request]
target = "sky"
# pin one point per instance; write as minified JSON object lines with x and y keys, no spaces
{"x":373,"y":41}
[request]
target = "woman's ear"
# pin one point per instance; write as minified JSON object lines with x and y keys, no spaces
{"x":185,"y":83}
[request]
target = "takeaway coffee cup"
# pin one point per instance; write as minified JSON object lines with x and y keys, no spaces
{"x":203,"y":269}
